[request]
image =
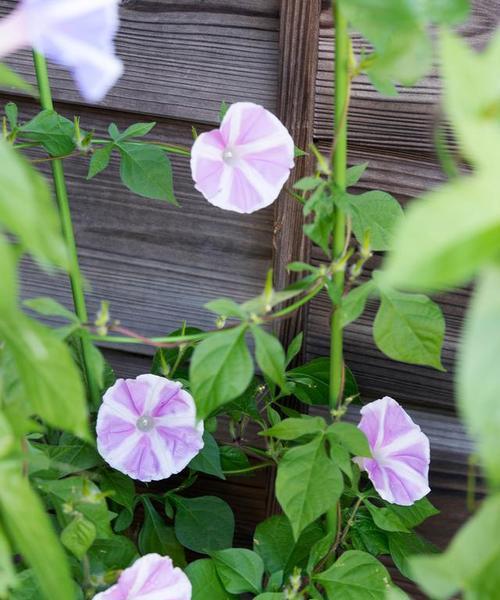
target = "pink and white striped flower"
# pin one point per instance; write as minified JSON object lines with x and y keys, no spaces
{"x":77,"y":34}
{"x":147,"y":428}
{"x":152,"y":577}
{"x":399,"y":469}
{"x":243,"y":165}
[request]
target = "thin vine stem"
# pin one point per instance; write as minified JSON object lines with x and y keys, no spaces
{"x":61,"y":192}
{"x":339,"y":167}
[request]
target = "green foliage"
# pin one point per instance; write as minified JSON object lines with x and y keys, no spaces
{"x":55,"y":133}
{"x":240,"y":570}
{"x":355,"y":575}
{"x":209,"y":459}
{"x":409,"y":328}
{"x":353,"y":304}
{"x":27,"y":211}
{"x":308,"y":483}
{"x":205,"y":581}
{"x":477,"y":374}
{"x":221,"y":369}
{"x":156,"y":536}
{"x":9,"y":78}
{"x":398,"y":32}
{"x":377,"y":213}
{"x":443,"y":576}
{"x":291,"y":429}
{"x":270,"y":355}
{"x":203,"y":524}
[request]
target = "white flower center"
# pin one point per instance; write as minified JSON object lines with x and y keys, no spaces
{"x":145,"y":423}
{"x":229,"y":156}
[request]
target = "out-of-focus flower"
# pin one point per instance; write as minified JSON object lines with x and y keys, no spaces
{"x":147,"y":428}
{"x":152,"y":577}
{"x":243,"y":165}
{"x":399,"y":469}
{"x":77,"y":34}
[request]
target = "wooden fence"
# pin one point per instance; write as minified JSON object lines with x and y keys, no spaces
{"x":158,"y":265}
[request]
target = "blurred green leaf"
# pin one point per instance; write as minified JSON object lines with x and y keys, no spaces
{"x":78,"y":536}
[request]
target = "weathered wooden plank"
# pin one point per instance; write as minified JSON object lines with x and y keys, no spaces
{"x":183,"y":58}
{"x":403,"y":123}
{"x":155,"y":263}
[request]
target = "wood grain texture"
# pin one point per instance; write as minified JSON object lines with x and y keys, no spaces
{"x":184,"y":57}
{"x":407,"y":122}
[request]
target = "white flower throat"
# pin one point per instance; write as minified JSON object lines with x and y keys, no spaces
{"x":145,"y":423}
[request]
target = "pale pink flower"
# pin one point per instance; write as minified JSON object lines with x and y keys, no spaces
{"x":152,"y":577}
{"x":243,"y":165}
{"x":77,"y":34}
{"x":399,"y":469}
{"x":147,"y":428}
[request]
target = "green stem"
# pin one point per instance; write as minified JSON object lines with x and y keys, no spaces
{"x":250,"y":469}
{"x":75,"y":274}
{"x":342,"y":48}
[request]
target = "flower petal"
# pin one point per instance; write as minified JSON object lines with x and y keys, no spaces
{"x":78,"y":35}
{"x":399,"y":469}
{"x":151,"y":577}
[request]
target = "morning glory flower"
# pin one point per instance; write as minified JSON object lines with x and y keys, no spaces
{"x":77,"y":34}
{"x":151,"y":577}
{"x":399,"y":469}
{"x":147,"y":428}
{"x":243,"y":165}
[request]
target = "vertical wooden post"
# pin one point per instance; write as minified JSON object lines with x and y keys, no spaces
{"x":299,"y":44}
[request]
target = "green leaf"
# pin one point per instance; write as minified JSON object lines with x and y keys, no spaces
{"x":208,"y":460}
{"x":416,"y":514}
{"x":12,"y":113}
{"x":294,"y":348}
{"x":322,"y":206}
{"x":146,"y":170}
{"x":8,"y":276}
{"x":7,"y":572}
{"x":100,"y":160}
{"x":462,"y":228}
{"x":156,"y":536}
{"x":446,"y":11}
{"x":27,"y":523}
{"x":221,"y":370}
{"x":274,"y":542}
{"x":366,"y":536}
{"x":353,"y":304}
{"x":120,"y":487}
{"x":355,"y":575}
{"x":397,"y":30}
{"x":471,"y":561}
{"x":311,"y":382}
{"x":48,"y":307}
{"x":385,"y":519}
{"x":204,"y":524}
{"x":205,"y":581}
{"x":478,"y":378}
{"x":355,"y":173}
{"x":78,"y":536}
{"x":307,"y":484}
{"x":226,"y":307}
{"x":378,"y":213}
{"x":403,"y":546}
{"x":9,"y":78}
{"x":117,"y":552}
{"x":307,"y":184}
{"x":240,"y":570}
{"x":69,"y":455}
{"x":351,"y":437}
{"x":270,"y":355}
{"x":137,"y":130}
{"x":471,"y":99}
{"x":409,"y":328}
{"x":233,"y":459}
{"x":395,"y":593}
{"x":48,"y":375}
{"x":84,"y":497}
{"x":54,"y":132}
{"x":291,"y":429}
{"x":224,"y":107}
{"x":27,"y":211}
